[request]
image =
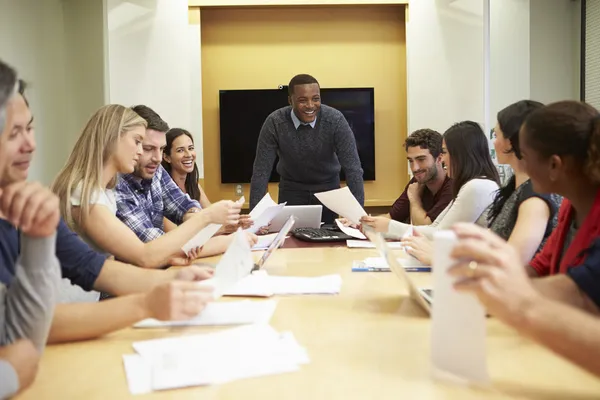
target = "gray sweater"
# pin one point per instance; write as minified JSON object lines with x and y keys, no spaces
{"x":27,"y":307}
{"x":309,"y":158}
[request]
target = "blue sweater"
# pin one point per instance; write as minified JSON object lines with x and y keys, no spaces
{"x":309,"y":158}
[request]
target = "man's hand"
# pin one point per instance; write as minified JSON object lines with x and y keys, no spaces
{"x":30,"y":207}
{"x":177,"y":300}
{"x":414,"y":192}
{"x":380,"y":224}
{"x":24,"y":358}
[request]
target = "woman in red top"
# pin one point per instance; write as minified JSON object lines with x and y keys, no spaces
{"x":560,"y":144}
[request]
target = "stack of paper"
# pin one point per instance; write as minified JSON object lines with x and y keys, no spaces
{"x":261,"y":284}
{"x":219,"y":314}
{"x":245,"y":352}
{"x":363,"y":244}
{"x":409,"y":263}
{"x":264,"y":212}
{"x":205,"y":234}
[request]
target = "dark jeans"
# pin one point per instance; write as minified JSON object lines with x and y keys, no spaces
{"x":306,"y":198}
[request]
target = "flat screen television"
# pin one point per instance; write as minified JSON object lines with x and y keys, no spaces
{"x":243,"y":112}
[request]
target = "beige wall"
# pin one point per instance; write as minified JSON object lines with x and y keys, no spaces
{"x":355,"y":46}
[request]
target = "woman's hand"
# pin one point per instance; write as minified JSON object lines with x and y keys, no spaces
{"x":492,"y":271}
{"x":420,"y":247}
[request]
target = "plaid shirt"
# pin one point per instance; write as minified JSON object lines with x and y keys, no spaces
{"x":142,"y":203}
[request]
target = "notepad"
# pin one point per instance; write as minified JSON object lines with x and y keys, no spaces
{"x":261,"y":284}
{"x":220,"y":314}
{"x":238,"y":353}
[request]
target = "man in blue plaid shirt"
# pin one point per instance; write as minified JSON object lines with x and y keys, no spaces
{"x":149,"y":194}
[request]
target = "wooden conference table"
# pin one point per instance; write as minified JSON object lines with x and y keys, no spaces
{"x":368,"y":342}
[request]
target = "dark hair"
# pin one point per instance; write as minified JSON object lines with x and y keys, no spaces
{"x":154,"y":121}
{"x":469,"y":155}
{"x":302,"y":79}
{"x":510,"y":120}
{"x":191,"y":180}
{"x":567,"y":128}
{"x":8,"y":80}
{"x":425,"y":139}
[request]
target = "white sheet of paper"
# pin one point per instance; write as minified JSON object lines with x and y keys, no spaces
{"x":220,"y":314}
{"x":264,"y":241}
{"x":262,"y":205}
{"x":343,"y":202}
{"x":355,"y":233}
{"x":458,"y":322}
{"x":260,"y":283}
{"x":138,"y":372}
{"x":365,"y":244}
{"x":201,"y":237}
{"x":265,"y":217}
{"x":205,"y":234}
{"x":235,"y":264}
{"x":244,"y":352}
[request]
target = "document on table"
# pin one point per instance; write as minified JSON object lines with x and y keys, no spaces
{"x":222,"y":313}
{"x":205,"y":234}
{"x":365,"y":244}
{"x":409,"y":263}
{"x":238,"y":353}
{"x":343,"y":202}
{"x":261,"y":284}
{"x":235,"y":264}
{"x":458,"y":322}
{"x":355,"y":233}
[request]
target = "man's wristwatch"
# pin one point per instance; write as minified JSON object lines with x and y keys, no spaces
{"x":193,"y":210}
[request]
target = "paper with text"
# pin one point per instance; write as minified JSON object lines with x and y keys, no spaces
{"x":355,"y":233}
{"x":342,"y":202}
{"x":458,"y":322}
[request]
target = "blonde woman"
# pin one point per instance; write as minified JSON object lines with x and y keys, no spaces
{"x":111,"y":144}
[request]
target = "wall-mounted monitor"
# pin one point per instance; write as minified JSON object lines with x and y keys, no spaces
{"x":243,"y":112}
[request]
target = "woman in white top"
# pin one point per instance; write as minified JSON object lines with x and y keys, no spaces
{"x":466,"y":156}
{"x":111,"y":143}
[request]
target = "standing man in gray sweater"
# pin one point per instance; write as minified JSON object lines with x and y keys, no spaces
{"x":313,"y":142}
{"x":26,"y":307}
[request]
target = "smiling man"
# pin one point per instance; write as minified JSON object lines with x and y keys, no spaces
{"x":430,"y":190}
{"x":313,"y":142}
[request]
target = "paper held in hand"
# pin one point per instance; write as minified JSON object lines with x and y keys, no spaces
{"x":264,"y":212}
{"x":236,"y":263}
{"x":342,"y":202}
{"x":458,"y":322}
{"x":205,"y":234}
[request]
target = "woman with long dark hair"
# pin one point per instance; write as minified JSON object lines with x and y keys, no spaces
{"x":179,"y":160}
{"x":466,"y":155}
